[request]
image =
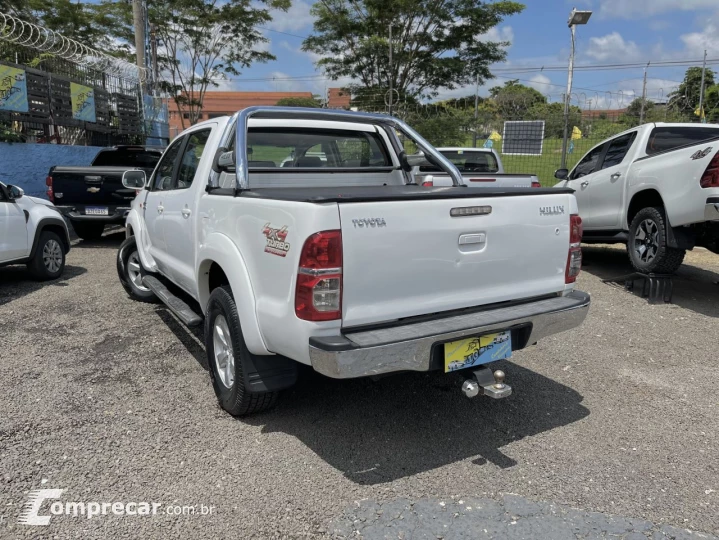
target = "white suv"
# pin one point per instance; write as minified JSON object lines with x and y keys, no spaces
{"x":32,"y":232}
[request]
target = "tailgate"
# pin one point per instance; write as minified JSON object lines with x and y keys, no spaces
{"x":426,"y":261}
{"x":90,"y":186}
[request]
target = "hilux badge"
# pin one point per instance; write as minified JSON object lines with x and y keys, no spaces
{"x":551,"y":210}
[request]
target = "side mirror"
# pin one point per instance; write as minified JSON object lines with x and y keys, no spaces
{"x":15,"y":192}
{"x":225,"y":160}
{"x":561,"y":174}
{"x":134,"y":179}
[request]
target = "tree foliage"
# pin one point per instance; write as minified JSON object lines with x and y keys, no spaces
{"x":298,"y":102}
{"x":514,"y":100}
{"x":686,"y":98}
{"x":435,"y":44}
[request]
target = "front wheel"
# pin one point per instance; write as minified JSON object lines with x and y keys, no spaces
{"x":225,"y":346}
{"x":49,"y":259}
{"x":647,"y":245}
{"x":131,"y":272}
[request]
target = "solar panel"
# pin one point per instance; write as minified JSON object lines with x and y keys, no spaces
{"x":523,"y":138}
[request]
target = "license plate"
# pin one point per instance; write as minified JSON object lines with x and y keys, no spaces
{"x":477,"y":350}
{"x":96,"y":211}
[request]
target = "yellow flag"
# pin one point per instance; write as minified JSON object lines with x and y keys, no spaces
{"x":700,"y":113}
{"x":576,"y":133}
{"x":495,"y":136}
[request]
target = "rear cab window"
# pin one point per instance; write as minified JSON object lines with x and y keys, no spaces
{"x":665,"y":138}
{"x":467,"y":161}
{"x":127,"y":157}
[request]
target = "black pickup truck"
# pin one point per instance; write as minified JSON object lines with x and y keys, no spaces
{"x":91,"y":197}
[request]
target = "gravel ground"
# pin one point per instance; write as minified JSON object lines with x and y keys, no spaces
{"x":110,"y":401}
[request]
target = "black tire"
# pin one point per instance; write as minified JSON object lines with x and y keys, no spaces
{"x":233,"y":397}
{"x":88,"y":230}
{"x":128,"y":266}
{"x":49,"y":259}
{"x":647,"y":245}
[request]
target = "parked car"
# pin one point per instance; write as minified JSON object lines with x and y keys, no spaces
{"x":480,"y":167}
{"x":32,"y":232}
{"x":654,"y":188}
{"x":355,"y":271}
{"x":92,"y":197}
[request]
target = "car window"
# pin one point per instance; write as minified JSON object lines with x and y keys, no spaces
{"x":315,"y":148}
{"x":618,"y":149}
{"x":467,"y":161}
{"x":127,"y":157}
{"x":2,"y":192}
{"x":589,"y":162}
{"x":191,"y":157}
{"x":666,"y":138}
{"x":163,"y":174}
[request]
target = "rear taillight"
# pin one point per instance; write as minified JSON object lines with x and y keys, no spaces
{"x":428,"y":183}
{"x":574,"y":258}
{"x":319,"y":278}
{"x":536,"y":184}
{"x":50,"y":193}
{"x":710,"y":178}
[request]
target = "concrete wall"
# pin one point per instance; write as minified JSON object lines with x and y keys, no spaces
{"x":26,"y":165}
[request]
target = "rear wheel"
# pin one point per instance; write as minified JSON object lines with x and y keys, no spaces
{"x":647,"y":245}
{"x":49,"y":259}
{"x":131,"y":272}
{"x":225,"y":346}
{"x":88,"y":230}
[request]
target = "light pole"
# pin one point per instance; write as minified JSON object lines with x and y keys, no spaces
{"x":575,"y":18}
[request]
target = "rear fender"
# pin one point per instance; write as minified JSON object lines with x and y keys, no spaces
{"x":219,"y":249}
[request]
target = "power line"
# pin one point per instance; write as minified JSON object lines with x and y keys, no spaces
{"x":278,"y":32}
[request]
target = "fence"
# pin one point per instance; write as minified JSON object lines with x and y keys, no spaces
{"x":55,"y":90}
{"x":528,"y":133}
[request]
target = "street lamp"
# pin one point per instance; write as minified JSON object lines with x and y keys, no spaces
{"x":575,"y":18}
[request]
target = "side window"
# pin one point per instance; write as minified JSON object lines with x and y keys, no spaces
{"x":2,"y":192}
{"x":662,"y":139}
{"x":589,"y":162}
{"x":618,"y":149}
{"x":162,"y":180}
{"x":191,"y":158}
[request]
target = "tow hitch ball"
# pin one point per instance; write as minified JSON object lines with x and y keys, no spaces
{"x":484,"y":382}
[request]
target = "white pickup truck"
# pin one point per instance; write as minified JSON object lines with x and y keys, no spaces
{"x":480,"y":167}
{"x":345,"y":264}
{"x":655,"y":188}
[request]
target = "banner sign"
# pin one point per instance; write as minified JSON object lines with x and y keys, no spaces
{"x":13,"y":89}
{"x":83,"y":102}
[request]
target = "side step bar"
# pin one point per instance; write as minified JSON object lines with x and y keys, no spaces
{"x":177,"y":306}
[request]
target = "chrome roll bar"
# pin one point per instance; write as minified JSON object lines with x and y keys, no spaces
{"x":240,"y":122}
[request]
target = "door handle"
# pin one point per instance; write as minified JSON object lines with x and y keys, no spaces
{"x":616,"y":175}
{"x":186,"y":212}
{"x":585,"y":183}
{"x":160,"y":209}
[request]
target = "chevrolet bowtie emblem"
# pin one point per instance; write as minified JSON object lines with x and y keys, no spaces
{"x":93,"y":189}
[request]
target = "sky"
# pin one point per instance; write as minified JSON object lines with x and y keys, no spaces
{"x":619,"y":31}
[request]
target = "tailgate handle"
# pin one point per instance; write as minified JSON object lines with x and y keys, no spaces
{"x":475,"y":238}
{"x":93,"y":179}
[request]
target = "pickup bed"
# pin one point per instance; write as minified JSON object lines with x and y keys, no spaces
{"x":655,"y":188}
{"x":92,"y":197}
{"x":344,"y":264}
{"x":480,"y":168}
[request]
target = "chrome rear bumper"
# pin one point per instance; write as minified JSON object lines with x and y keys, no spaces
{"x":409,"y":347}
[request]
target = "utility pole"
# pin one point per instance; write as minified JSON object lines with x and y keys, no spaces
{"x":701,"y":90}
{"x":476,"y":113}
{"x":567,"y":97}
{"x":644,"y":97}
{"x":155,"y":64}
{"x":390,"y":70}
{"x":138,"y":19}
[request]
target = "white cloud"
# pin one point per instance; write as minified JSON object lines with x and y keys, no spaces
{"x":541,"y":83}
{"x":613,"y":47}
{"x":640,"y":9}
{"x":496,"y":33}
{"x":294,"y":19}
{"x":708,"y":39}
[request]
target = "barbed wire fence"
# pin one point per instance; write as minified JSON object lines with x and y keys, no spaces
{"x":54,"y":89}
{"x":593,"y":117}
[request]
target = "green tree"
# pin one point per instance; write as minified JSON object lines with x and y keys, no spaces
{"x":298,"y":102}
{"x":434,"y":43}
{"x":686,"y":98}
{"x":204,"y":42}
{"x":452,"y":128}
{"x":514,"y":100}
